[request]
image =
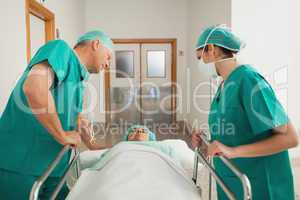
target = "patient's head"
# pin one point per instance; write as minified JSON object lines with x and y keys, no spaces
{"x":139,"y":133}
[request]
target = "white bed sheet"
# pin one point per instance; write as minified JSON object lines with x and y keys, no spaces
{"x":135,"y":172}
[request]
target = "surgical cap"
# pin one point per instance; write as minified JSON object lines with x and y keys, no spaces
{"x":97,"y":35}
{"x":151,"y":135}
{"x":220,"y":36}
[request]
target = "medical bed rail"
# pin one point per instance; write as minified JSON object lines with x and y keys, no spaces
{"x":243,"y":178}
{"x":40,"y":181}
{"x":198,"y":155}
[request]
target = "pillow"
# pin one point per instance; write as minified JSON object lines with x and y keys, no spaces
{"x":89,"y":158}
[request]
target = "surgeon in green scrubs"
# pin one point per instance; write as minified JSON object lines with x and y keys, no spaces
{"x":246,"y":121}
{"x":43,"y":112}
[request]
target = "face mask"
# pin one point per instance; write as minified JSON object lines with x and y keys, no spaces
{"x":208,"y":69}
{"x":222,"y":60}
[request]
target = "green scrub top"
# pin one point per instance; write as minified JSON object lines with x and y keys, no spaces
{"x":245,"y":111}
{"x":25,"y":145}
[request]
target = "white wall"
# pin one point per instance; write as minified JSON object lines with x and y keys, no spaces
{"x":69,"y":18}
{"x":293,"y":64}
{"x":202,"y":14}
{"x":268,"y":27}
{"x":13,"y":46}
{"x":140,"y":19}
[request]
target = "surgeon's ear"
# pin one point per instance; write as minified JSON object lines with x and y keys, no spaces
{"x":96,"y":45}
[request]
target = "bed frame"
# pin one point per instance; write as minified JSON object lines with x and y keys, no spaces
{"x":199,"y":157}
{"x":40,"y":181}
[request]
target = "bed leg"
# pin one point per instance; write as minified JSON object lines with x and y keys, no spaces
{"x":210,"y":183}
{"x":195,"y":172}
{"x":77,"y":164}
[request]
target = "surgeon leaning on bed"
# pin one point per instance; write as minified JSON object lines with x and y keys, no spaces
{"x":247,"y":122}
{"x":42,"y":113}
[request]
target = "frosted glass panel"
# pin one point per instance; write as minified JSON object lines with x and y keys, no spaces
{"x":124,"y":64}
{"x":156,"y":104}
{"x":156,"y":61}
{"x":123,"y":105}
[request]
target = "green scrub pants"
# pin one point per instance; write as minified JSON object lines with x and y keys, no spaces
{"x":16,"y":186}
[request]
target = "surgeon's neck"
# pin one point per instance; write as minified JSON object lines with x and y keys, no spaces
{"x":225,"y":68}
{"x":82,"y":55}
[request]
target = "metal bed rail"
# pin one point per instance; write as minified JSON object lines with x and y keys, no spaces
{"x":40,"y":181}
{"x":243,"y":178}
{"x":198,"y":156}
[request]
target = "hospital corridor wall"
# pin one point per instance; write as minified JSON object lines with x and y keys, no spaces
{"x":169,"y":21}
{"x":273,"y":47}
{"x":68,"y":19}
{"x":273,"y":41}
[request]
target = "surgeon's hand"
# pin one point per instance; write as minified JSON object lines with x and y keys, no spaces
{"x":216,"y":148}
{"x":71,"y":138}
{"x":196,"y":140}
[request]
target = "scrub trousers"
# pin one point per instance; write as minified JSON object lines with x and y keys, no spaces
{"x":16,"y":186}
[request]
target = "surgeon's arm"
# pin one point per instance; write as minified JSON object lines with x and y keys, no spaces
{"x":283,"y":138}
{"x":37,"y":90}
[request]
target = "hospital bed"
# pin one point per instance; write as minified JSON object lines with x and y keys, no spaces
{"x":199,"y":157}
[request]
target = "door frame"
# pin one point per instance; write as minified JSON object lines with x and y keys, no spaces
{"x":173,"y":43}
{"x":32,"y":7}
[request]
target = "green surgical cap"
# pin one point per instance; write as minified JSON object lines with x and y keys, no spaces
{"x":97,"y":35}
{"x":151,"y":135}
{"x":220,"y":36}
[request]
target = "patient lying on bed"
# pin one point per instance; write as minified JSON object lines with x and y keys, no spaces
{"x":139,"y":167}
{"x":135,"y":135}
{"x":177,"y":150}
